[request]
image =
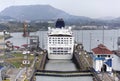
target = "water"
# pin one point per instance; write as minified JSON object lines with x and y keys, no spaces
{"x":110,"y":40}
{"x":47,"y":78}
{"x":60,"y":65}
{"x":116,"y":63}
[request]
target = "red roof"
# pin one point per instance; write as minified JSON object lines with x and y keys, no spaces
{"x":101,"y":49}
{"x":16,"y":47}
{"x":25,"y":45}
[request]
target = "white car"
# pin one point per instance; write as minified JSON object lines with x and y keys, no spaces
{"x":26,"y":52}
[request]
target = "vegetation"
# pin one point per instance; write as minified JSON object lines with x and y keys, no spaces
{"x":1,"y":37}
{"x":25,"y":80}
{"x":14,"y":26}
{"x":6,"y":80}
{"x":17,"y":60}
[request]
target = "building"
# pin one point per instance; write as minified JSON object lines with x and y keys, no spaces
{"x":102,"y":58}
{"x":34,"y":42}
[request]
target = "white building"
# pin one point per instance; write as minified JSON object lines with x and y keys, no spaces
{"x":102,"y":59}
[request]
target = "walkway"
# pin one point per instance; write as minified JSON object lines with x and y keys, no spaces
{"x":64,"y":73}
{"x":107,"y":77}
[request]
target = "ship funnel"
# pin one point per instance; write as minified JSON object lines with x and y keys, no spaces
{"x":59,"y":23}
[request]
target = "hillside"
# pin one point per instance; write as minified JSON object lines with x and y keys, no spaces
{"x":38,"y":12}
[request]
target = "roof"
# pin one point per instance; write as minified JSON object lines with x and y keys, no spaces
{"x":101,"y":49}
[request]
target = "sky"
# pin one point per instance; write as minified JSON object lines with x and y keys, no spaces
{"x":89,"y":8}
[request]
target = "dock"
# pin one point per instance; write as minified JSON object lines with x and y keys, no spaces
{"x":83,"y":61}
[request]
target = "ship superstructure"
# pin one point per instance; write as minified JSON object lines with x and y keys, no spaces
{"x":60,"y":41}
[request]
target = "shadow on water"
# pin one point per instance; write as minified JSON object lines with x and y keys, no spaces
{"x":60,"y":65}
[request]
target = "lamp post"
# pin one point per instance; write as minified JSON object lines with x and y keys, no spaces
{"x":27,"y":50}
{"x":90,"y":40}
{"x":82,"y":36}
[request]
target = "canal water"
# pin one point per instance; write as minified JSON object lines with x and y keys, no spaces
{"x":46,"y":78}
{"x":62,"y":65}
{"x":84,"y":36}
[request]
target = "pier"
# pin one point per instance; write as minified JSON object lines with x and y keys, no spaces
{"x":42,"y":62}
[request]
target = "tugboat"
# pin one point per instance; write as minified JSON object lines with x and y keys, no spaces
{"x":60,"y":42}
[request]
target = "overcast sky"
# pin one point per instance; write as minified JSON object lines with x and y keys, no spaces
{"x":89,"y":8}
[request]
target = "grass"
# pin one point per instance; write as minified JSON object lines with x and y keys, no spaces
{"x":1,"y":36}
{"x":6,"y":80}
{"x":17,"y":60}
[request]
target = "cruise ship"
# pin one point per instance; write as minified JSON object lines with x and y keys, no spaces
{"x":60,"y":41}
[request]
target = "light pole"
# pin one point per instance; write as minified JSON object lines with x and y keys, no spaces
{"x":82,"y":36}
{"x":90,"y":40}
{"x":27,"y":50}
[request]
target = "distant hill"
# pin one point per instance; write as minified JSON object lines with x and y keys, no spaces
{"x":6,"y":18}
{"x":106,"y":18}
{"x":39,"y":12}
{"x":47,"y":12}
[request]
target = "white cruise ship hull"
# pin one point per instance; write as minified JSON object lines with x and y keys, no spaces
{"x":60,"y":43}
{"x":60,"y":56}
